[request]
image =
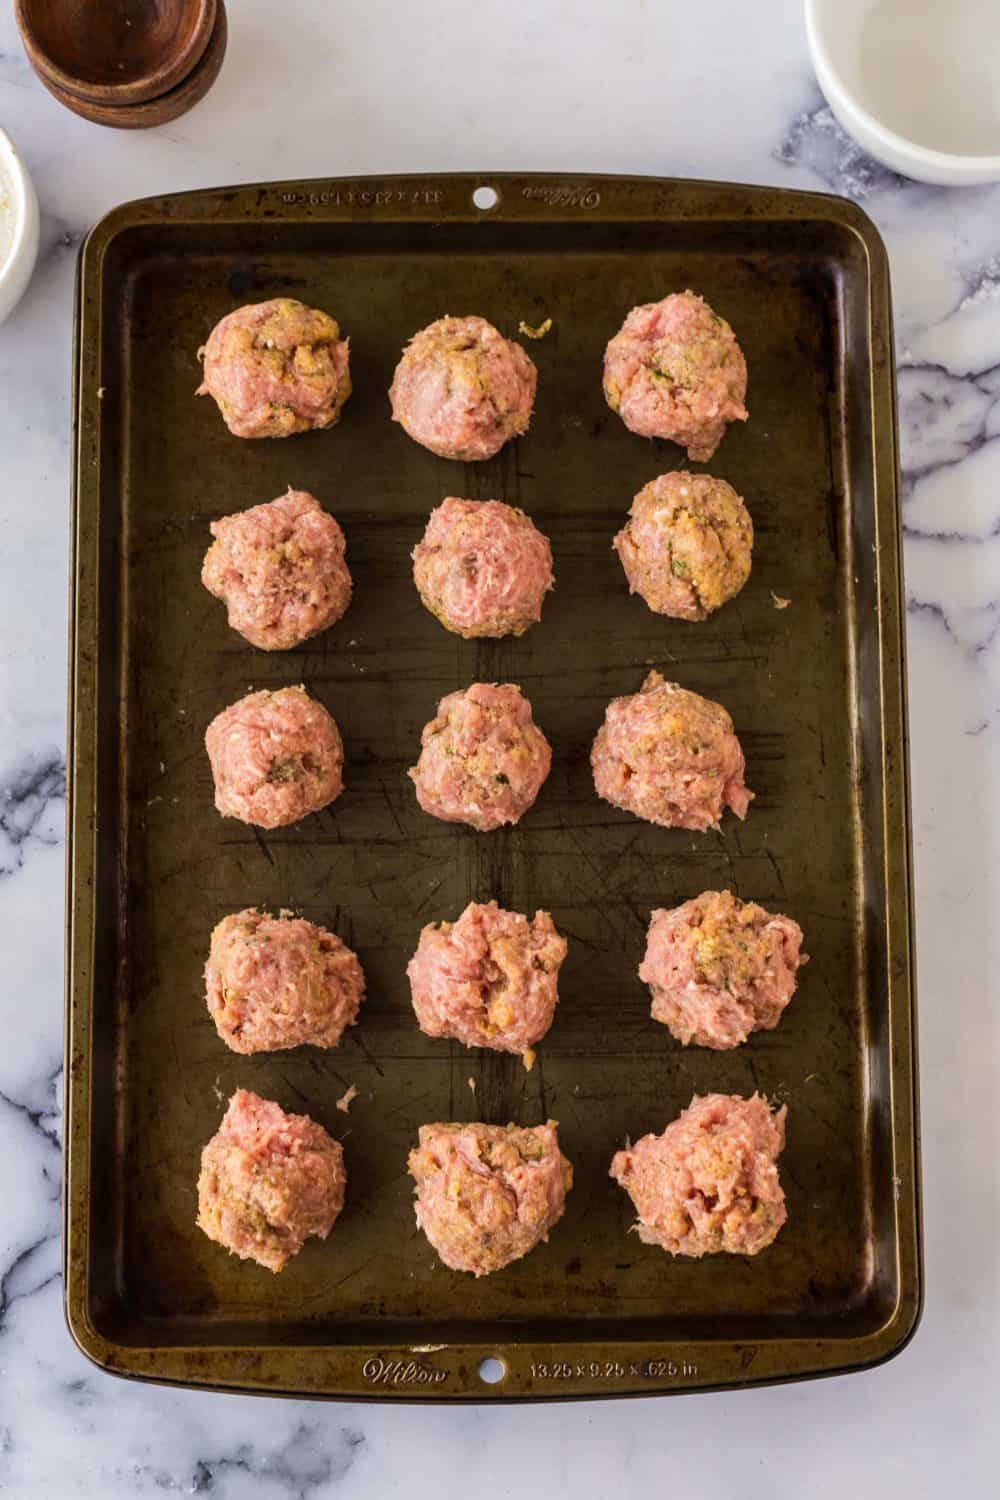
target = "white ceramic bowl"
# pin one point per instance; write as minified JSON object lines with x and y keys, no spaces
{"x":19,"y":262}
{"x":915,"y":82}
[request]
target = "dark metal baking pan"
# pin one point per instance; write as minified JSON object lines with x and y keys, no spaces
{"x":816,"y":691}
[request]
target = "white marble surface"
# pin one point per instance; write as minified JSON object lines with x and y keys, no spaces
{"x":656,"y":86}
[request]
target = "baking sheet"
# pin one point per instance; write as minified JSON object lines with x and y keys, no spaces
{"x":816,"y":692}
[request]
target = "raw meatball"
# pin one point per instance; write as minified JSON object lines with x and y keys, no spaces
{"x":487,"y":1194}
{"x":687,"y":545}
{"x":274,"y":368}
{"x":491,"y":979}
{"x":720,"y":968}
{"x":709,"y":1182}
{"x":280,"y":569}
{"x":674,"y":370}
{"x":482,"y":568}
{"x":670,"y":756}
{"x":483,"y":760}
{"x":277,"y":982}
{"x":269,"y":1181}
{"x":275,"y":757}
{"x":461,"y":389}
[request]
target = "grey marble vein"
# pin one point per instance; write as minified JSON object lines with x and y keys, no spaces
{"x":816,"y":141}
{"x":944,"y":418}
{"x":45,"y":1117}
{"x":27,"y":1274}
{"x":31,"y":807}
{"x":306,"y":1464}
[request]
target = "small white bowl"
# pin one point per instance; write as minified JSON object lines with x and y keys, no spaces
{"x":915,"y":82}
{"x":18,"y":263}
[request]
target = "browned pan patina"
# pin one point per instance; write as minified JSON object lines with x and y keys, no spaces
{"x":816,"y":691}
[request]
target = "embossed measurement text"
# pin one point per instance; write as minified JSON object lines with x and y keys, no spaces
{"x":366,"y":197}
{"x":613,"y":1369}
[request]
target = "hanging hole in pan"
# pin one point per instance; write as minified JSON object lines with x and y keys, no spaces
{"x":485,"y":198}
{"x":492,"y":1371}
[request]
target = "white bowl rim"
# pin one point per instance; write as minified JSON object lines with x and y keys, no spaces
{"x":950,"y":159}
{"x":18,"y":175}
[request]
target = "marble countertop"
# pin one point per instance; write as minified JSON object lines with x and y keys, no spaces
{"x":378,"y":86}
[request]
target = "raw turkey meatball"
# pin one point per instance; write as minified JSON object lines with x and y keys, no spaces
{"x":268,"y":1181}
{"x":719,"y":968}
{"x":491,"y":979}
{"x":487,"y":1194}
{"x":483,"y":568}
{"x":670,"y":756}
{"x":687,"y":545}
{"x":280,"y":570}
{"x":674,"y":370}
{"x":275,"y":368}
{"x":275,"y":757}
{"x":483,"y":758}
{"x":709,"y":1182}
{"x":461,"y":389}
{"x":277,"y":982}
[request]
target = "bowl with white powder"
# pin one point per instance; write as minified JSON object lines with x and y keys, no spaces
{"x":18,"y":226}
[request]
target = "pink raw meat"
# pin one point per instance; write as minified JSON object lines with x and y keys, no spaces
{"x":275,"y":757}
{"x":276,"y":368}
{"x":669,"y":756}
{"x":488,"y":980}
{"x":709,"y":1182}
{"x":487,"y":1194}
{"x":482,"y":568}
{"x":280,"y":570}
{"x":268,"y":1181}
{"x":674,"y":370}
{"x":462,"y":390}
{"x":277,"y":982}
{"x":687,"y":545}
{"x":720,"y":968}
{"x":483,"y":759}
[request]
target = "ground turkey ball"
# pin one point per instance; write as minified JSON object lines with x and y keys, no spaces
{"x":687,"y":545}
{"x":487,"y":1194}
{"x":719,"y":968}
{"x":709,"y":1182}
{"x":280,"y":570}
{"x":277,"y":982}
{"x":490,"y":979}
{"x":275,"y":757}
{"x":670,"y":756}
{"x":483,"y":568}
{"x":269,"y":1181}
{"x":674,"y":370}
{"x":483,"y":758}
{"x":275,"y":368}
{"x":461,"y":389}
